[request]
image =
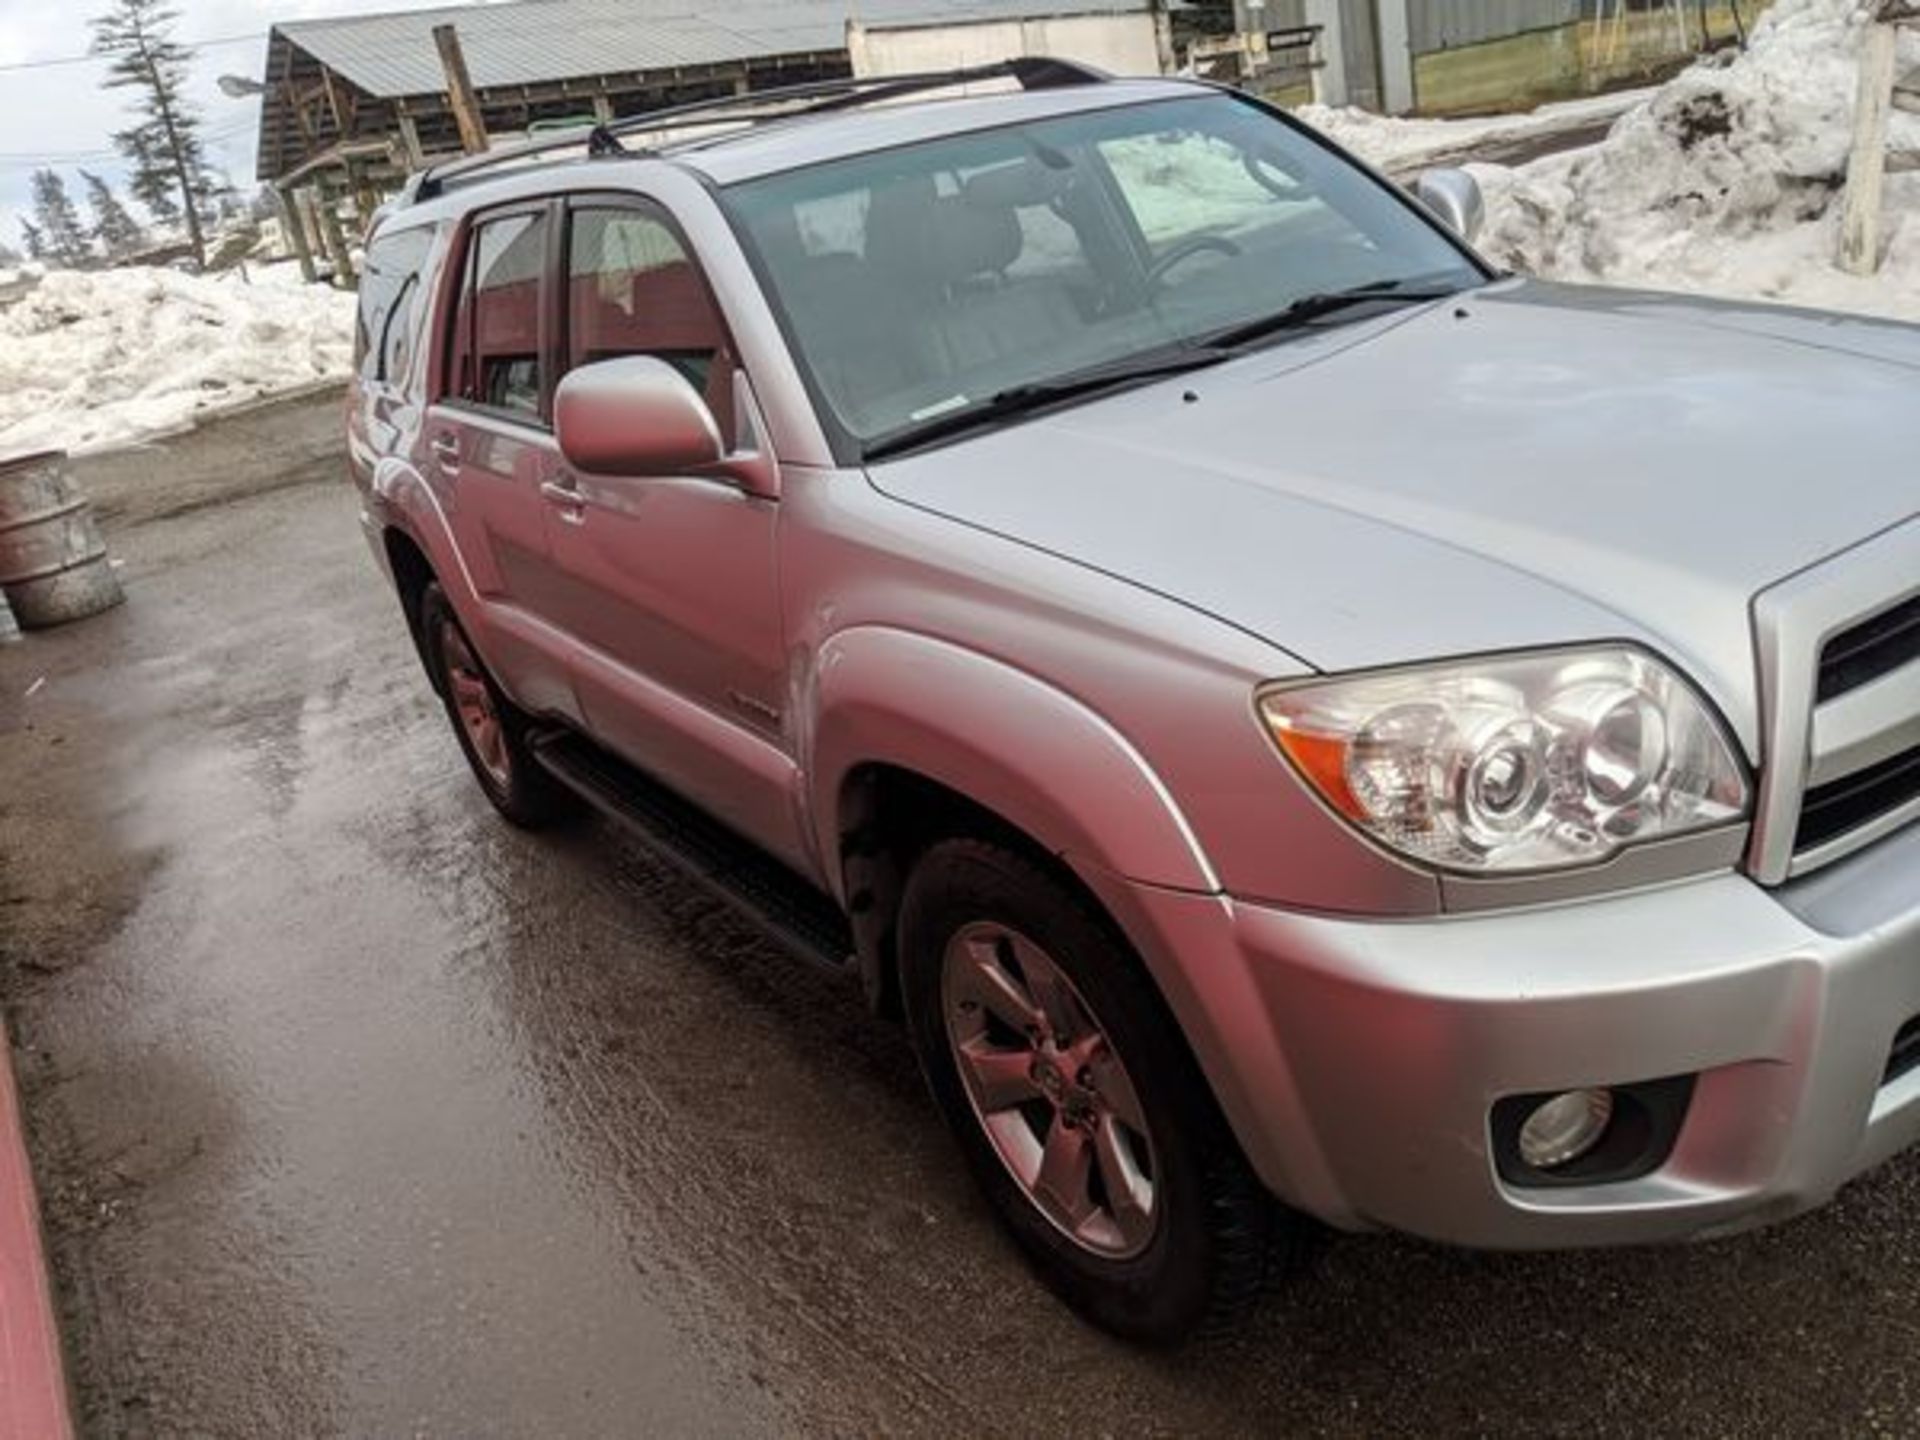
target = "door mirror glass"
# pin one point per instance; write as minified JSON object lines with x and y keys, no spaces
{"x":634,"y":416}
{"x":1455,"y":197}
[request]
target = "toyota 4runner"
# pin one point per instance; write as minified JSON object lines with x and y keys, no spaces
{"x":1279,"y":708}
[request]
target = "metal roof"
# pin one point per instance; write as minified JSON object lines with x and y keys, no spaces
{"x":524,"y":43}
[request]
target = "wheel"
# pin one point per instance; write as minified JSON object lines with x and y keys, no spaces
{"x":492,"y":731}
{"x":1081,"y":1112}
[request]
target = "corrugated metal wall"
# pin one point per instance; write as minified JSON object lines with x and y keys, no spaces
{"x":1360,"y":20}
{"x":1273,"y":14}
{"x":1448,"y":24}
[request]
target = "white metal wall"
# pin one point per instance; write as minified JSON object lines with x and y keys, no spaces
{"x":1123,"y":44}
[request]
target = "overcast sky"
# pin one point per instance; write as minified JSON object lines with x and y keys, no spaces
{"x":57,"y":115}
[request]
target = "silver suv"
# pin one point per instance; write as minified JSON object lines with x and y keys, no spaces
{"x":1277,"y":707}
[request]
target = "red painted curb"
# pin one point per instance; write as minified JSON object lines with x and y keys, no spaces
{"x":33,"y":1391}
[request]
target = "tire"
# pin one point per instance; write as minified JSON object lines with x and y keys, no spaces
{"x":492,"y":731}
{"x":1200,"y":1254}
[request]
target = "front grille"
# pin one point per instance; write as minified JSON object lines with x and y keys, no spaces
{"x":1877,"y":646}
{"x":1839,"y":651}
{"x":1841,"y":805}
{"x":1906,"y":1051}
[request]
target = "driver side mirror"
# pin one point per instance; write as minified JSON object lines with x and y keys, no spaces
{"x":1455,"y":197}
{"x":637,"y":416}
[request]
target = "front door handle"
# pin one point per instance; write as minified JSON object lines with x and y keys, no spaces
{"x":446,"y":449}
{"x":568,"y":501}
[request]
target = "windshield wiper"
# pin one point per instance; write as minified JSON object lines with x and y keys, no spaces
{"x":1309,"y":308}
{"x":1038,"y":394}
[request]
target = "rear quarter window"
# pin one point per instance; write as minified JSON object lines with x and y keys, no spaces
{"x":387,"y":333}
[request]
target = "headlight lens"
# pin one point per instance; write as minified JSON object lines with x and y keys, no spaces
{"x":1515,"y":764}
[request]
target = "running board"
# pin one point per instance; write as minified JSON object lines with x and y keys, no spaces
{"x":734,"y":869}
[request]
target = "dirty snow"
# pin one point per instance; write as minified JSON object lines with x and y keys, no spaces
{"x":1729,"y":180}
{"x":90,"y":360}
{"x":1399,"y":145}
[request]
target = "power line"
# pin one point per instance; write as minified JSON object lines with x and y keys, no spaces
{"x":91,"y":58}
{"x":18,"y":160}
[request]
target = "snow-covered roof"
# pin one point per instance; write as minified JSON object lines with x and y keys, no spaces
{"x":391,"y":56}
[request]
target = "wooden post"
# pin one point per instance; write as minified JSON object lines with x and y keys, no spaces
{"x":1867,"y":170}
{"x":296,"y":235}
{"x":343,"y":276}
{"x":411,"y":150}
{"x":1330,"y":80}
{"x":466,"y":105}
{"x":1163,"y":37}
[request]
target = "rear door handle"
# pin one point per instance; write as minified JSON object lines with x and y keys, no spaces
{"x":568,"y":501}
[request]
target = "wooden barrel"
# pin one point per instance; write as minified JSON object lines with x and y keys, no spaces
{"x":53,"y":564}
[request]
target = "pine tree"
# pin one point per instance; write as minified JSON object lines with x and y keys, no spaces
{"x":35,"y":242}
{"x":117,"y":231}
{"x":152,"y":182}
{"x":169,"y":165}
{"x":65,"y":238}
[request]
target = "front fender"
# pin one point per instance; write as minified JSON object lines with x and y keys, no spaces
{"x":1034,"y":755}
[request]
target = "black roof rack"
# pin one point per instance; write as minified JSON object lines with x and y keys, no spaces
{"x":1033,"y":72}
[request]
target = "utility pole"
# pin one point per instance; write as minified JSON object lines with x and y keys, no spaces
{"x":466,"y":105}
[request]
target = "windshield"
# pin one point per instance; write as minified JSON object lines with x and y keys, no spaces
{"x":919,"y":282}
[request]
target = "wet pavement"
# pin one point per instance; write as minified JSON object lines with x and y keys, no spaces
{"x":359,"y":1113}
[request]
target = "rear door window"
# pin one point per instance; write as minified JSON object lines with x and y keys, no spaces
{"x":497,"y":352}
{"x":386,"y":333}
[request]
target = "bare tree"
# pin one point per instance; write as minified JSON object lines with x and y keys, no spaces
{"x":169,"y":165}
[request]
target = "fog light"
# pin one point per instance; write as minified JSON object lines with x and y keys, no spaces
{"x":1562,"y":1129}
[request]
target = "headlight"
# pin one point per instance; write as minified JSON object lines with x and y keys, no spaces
{"x":1514,"y":764}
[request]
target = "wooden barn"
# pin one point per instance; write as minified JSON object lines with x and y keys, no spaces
{"x":352,"y":105}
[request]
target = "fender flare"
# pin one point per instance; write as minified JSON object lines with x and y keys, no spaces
{"x":1034,"y":755}
{"x":403,"y":502}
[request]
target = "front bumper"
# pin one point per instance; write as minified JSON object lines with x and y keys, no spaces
{"x":1359,"y":1061}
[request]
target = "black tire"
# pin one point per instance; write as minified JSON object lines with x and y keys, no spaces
{"x":1217,"y":1229}
{"x":520,"y":789}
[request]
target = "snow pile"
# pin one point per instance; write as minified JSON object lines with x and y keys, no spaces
{"x":1729,"y":180}
{"x":1399,"y":145}
{"x":94,"y":359}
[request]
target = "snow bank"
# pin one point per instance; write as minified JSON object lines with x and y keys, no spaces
{"x":1729,"y":180}
{"x":91,"y":360}
{"x":1398,"y":145}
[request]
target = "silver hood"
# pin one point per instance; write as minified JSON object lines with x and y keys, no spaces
{"x":1532,"y":465}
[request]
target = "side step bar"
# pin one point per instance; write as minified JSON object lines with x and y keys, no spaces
{"x":734,"y":869}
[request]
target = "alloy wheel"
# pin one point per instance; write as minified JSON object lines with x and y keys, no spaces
{"x":1050,"y":1090}
{"x":474,"y":706}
